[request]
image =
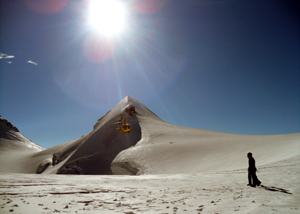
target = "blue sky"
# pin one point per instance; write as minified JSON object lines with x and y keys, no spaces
{"x":230,"y":66}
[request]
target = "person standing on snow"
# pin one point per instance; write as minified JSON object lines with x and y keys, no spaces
{"x":252,"y":172}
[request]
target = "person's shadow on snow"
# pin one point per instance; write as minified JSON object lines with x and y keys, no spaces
{"x":253,"y":180}
{"x":276,"y":189}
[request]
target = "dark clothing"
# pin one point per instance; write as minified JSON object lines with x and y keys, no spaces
{"x":255,"y":180}
{"x":252,"y":178}
{"x":252,"y":167}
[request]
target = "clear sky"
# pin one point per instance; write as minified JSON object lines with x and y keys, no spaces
{"x":230,"y":66}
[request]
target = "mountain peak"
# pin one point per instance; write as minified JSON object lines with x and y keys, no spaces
{"x":12,"y":139}
{"x":127,"y":104}
{"x":129,"y":100}
{"x":8,"y":124}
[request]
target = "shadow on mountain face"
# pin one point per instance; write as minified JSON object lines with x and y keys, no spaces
{"x":98,"y":151}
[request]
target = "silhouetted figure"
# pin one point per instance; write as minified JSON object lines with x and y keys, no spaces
{"x":252,"y":172}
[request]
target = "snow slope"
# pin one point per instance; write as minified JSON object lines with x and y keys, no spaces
{"x":15,"y":149}
{"x":212,"y":192}
{"x":153,"y":147}
{"x":12,"y":139}
{"x":170,"y":149}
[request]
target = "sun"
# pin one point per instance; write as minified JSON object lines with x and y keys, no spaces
{"x":107,"y":16}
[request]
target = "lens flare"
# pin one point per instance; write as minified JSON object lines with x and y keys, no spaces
{"x":147,"y":6}
{"x":46,"y":6}
{"x":98,"y":48}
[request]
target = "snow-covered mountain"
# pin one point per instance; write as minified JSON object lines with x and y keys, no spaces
{"x":130,"y":139}
{"x":12,"y":139}
{"x":93,"y":153}
{"x":170,"y":149}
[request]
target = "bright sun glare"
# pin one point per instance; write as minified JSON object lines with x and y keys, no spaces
{"x":107,"y":16}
